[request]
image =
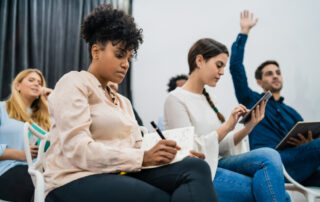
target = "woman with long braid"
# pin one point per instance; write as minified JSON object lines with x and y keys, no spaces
{"x":253,"y":176}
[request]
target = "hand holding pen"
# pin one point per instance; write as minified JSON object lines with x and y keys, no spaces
{"x":162,"y":153}
{"x":154,"y":125}
{"x":193,"y":153}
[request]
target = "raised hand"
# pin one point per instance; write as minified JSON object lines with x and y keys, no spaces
{"x":247,"y":21}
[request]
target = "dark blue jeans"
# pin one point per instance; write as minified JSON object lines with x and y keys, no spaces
{"x":303,"y":163}
{"x":253,"y":176}
{"x":187,"y":180}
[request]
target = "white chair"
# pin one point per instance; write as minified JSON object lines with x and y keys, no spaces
{"x":35,"y":168}
{"x":311,"y":193}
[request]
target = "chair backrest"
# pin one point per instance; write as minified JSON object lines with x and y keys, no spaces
{"x":32,"y":131}
{"x":35,"y":135}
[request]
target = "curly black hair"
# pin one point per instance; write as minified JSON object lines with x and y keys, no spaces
{"x":106,"y":24}
{"x":173,"y":81}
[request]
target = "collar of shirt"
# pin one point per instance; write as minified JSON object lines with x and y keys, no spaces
{"x":107,"y":90}
{"x":281,"y":99}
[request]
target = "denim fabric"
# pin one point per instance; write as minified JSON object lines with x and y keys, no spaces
{"x":253,"y":176}
{"x":303,"y":163}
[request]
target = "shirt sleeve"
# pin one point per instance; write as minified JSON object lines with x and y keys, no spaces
{"x":176,"y":114}
{"x":70,"y":109}
{"x":237,"y":70}
{"x":226,"y":145}
{"x":228,"y":148}
{"x":2,"y":146}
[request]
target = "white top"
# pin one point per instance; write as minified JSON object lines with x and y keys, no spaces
{"x":183,"y":108}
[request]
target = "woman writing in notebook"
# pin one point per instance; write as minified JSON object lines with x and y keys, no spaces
{"x":27,"y":103}
{"x":95,"y":137}
{"x":253,"y":176}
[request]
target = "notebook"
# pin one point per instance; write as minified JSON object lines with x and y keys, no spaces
{"x":183,"y":136}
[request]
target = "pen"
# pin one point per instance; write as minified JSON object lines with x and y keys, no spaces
{"x":154,"y":125}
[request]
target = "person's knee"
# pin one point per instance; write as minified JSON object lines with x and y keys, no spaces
{"x":269,"y":156}
{"x":315,"y":143}
{"x":230,"y":184}
{"x":196,"y":166}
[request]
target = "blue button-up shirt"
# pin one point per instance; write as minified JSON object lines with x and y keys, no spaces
{"x":11,"y":136}
{"x":279,"y":117}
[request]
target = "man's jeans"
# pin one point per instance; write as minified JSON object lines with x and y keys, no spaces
{"x":303,"y":163}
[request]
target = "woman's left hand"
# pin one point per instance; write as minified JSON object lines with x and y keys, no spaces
{"x":197,"y":154}
{"x":256,"y":116}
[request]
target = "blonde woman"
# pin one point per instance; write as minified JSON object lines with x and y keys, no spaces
{"x":27,"y":103}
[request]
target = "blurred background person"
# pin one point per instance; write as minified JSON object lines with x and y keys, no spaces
{"x":27,"y":103}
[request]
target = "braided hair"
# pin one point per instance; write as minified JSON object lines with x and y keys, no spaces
{"x":215,"y":109}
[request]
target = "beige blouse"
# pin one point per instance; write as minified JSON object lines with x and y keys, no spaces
{"x":89,"y":133}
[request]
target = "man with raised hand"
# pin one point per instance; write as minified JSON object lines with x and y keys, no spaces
{"x":302,"y":161}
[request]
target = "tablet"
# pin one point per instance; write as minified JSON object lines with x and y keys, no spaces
{"x":300,"y":127}
{"x":247,"y":116}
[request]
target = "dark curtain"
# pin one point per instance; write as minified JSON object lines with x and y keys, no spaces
{"x":45,"y":34}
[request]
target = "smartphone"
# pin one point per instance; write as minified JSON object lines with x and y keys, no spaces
{"x":247,"y":116}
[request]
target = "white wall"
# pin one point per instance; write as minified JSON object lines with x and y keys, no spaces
{"x":288,"y":31}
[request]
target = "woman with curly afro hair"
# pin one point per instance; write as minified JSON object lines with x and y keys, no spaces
{"x":95,"y":152}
